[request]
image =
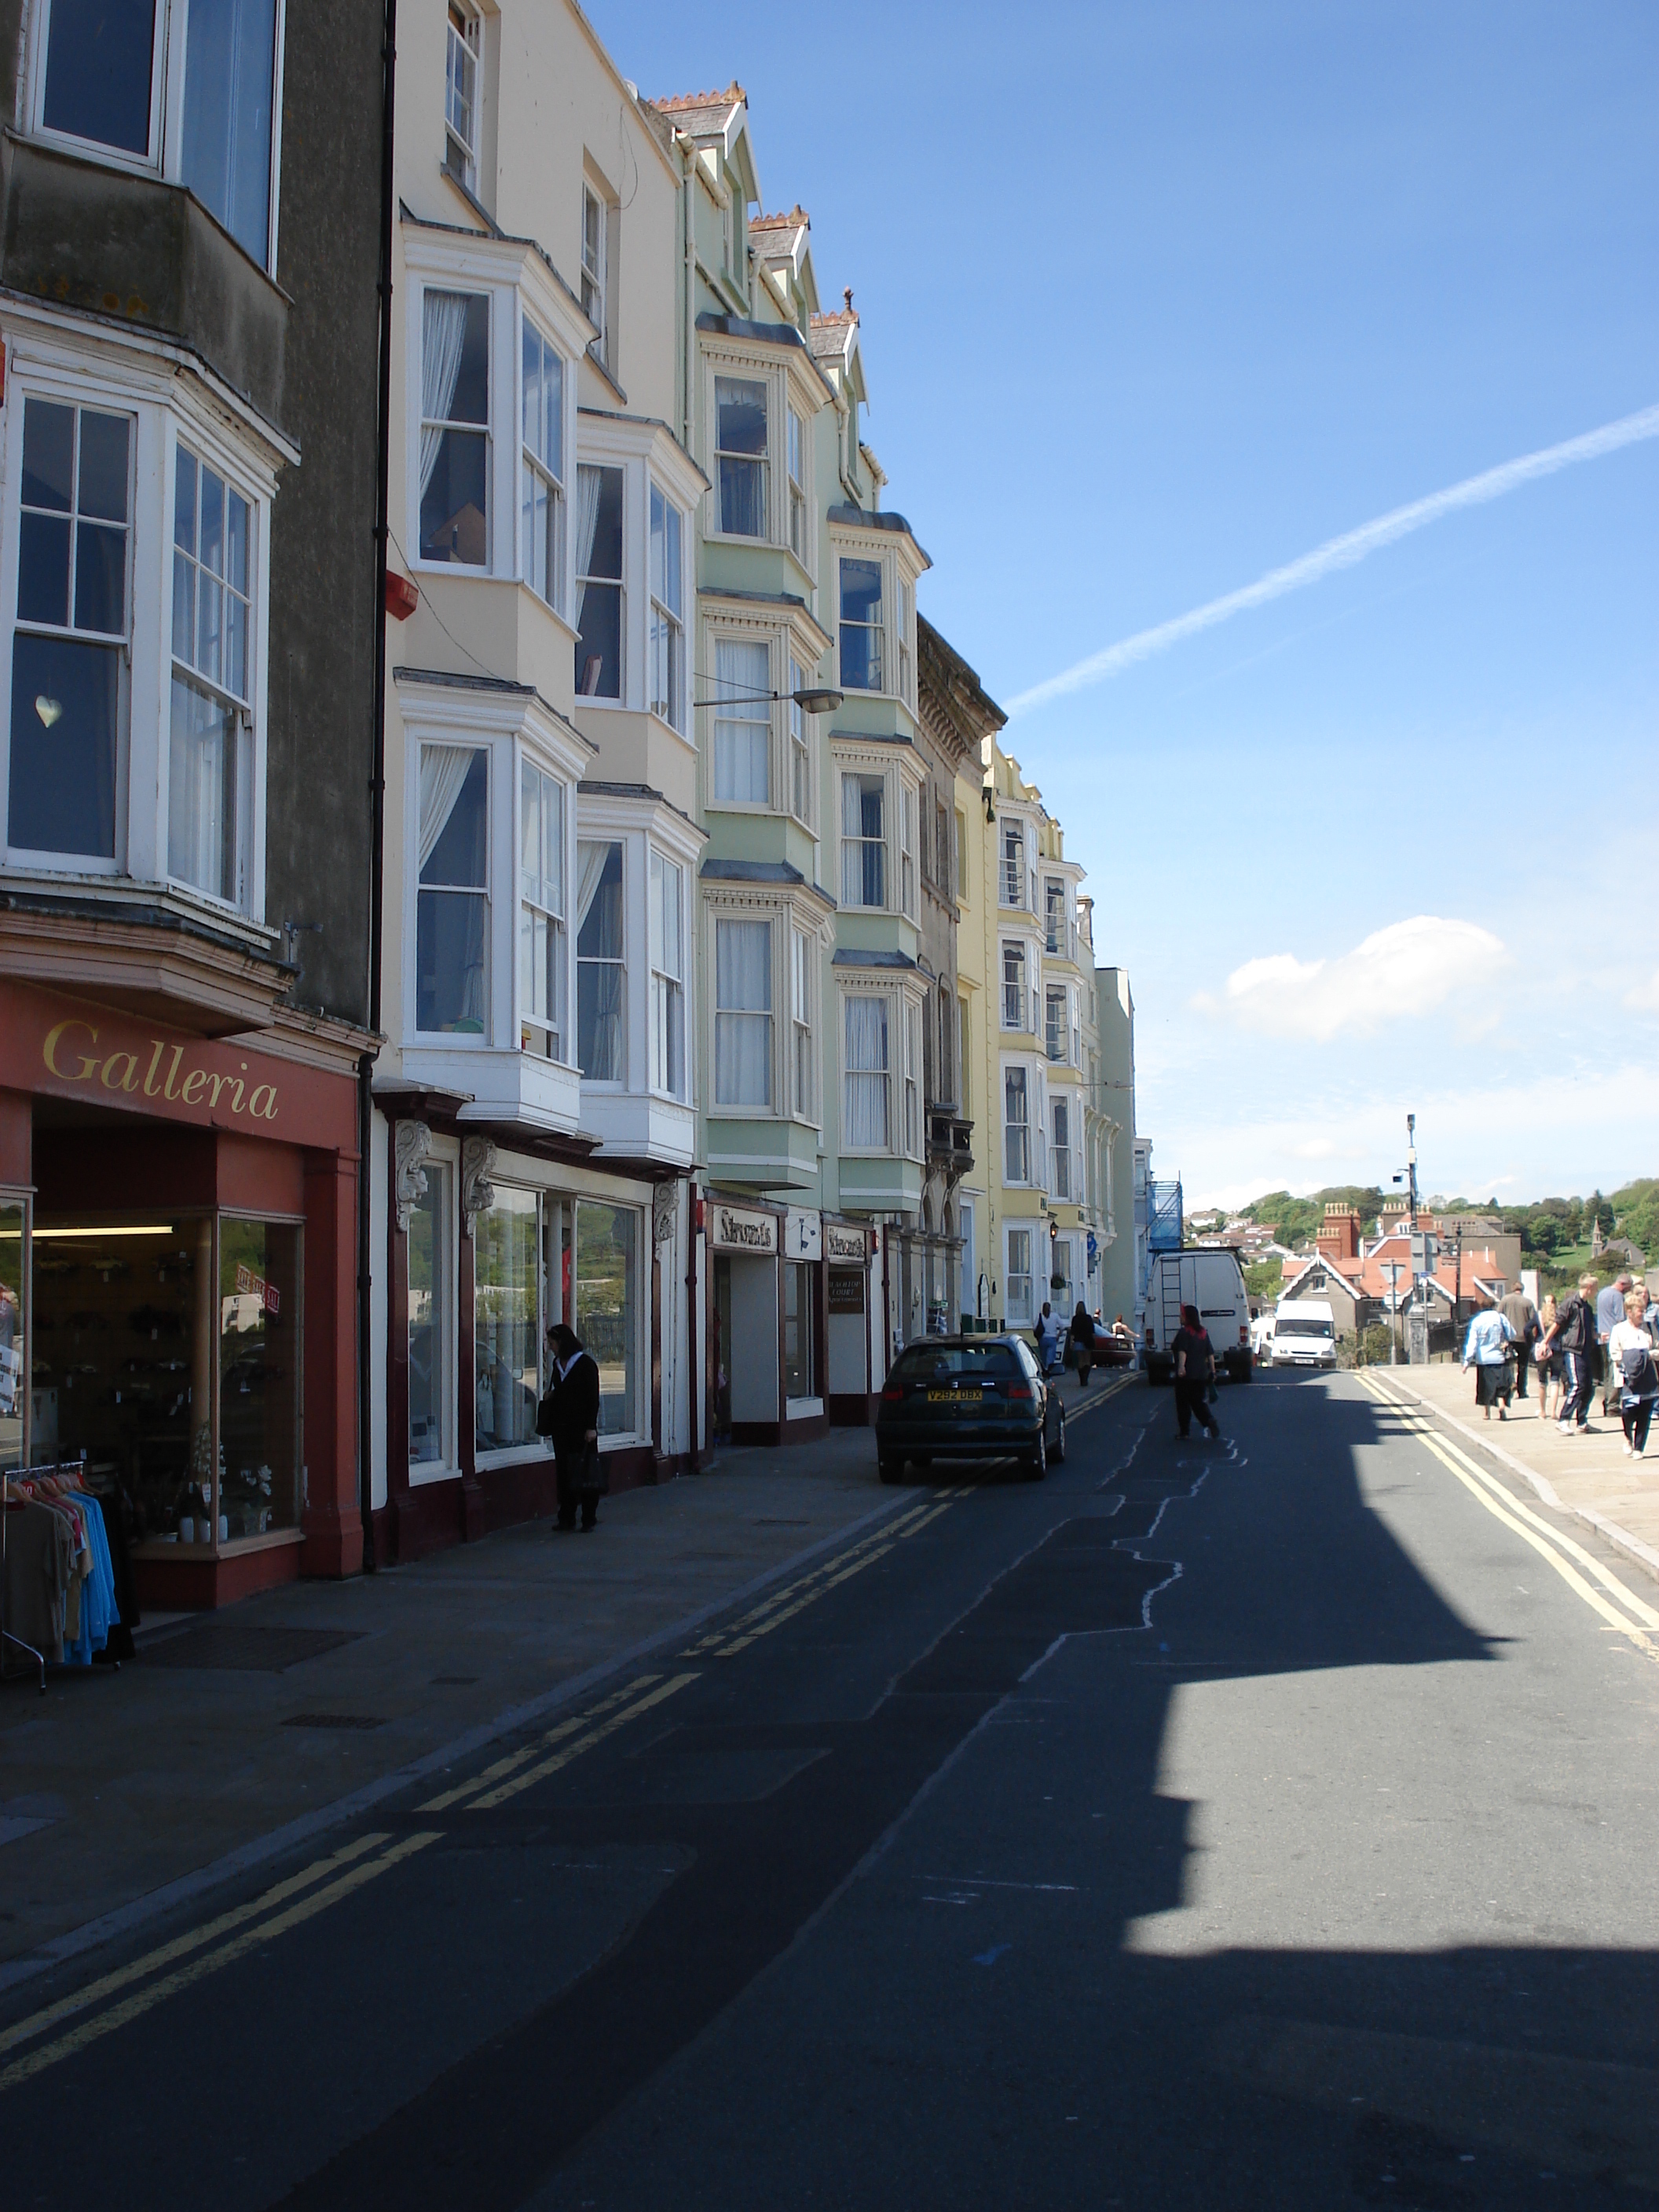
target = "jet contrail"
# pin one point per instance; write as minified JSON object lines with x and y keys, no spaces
{"x":1341,"y":553}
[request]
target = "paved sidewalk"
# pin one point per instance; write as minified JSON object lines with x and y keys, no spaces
{"x":1586,"y":1475}
{"x":234,"y":1736}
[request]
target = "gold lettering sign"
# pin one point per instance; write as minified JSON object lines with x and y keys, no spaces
{"x":70,"y":1054}
{"x":744,"y":1232}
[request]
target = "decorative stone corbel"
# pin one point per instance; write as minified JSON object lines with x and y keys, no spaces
{"x":413,"y":1143}
{"x":477,"y":1165}
{"x":665,"y":1211}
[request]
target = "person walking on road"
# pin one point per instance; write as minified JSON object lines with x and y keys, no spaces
{"x":569,"y":1415}
{"x":1082,"y":1334}
{"x":1518,"y":1309}
{"x":1486,"y":1349}
{"x":1574,"y":1330}
{"x":1630,"y":1351}
{"x":1609,"y":1313}
{"x":1194,"y":1371}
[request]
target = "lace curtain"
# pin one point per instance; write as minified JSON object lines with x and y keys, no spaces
{"x":867,"y":1074}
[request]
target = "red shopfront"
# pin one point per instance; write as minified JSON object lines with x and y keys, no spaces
{"x":177,"y":1262}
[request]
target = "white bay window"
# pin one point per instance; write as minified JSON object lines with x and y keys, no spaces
{"x":186,"y":92}
{"x":209,"y":797}
{"x":541,"y":913}
{"x":541,"y":495}
{"x":668,"y":976}
{"x":741,"y":411}
{"x":666,"y":650}
{"x":599,"y":582}
{"x":743,"y":1013}
{"x":743,"y":723}
{"x":803,"y":1092}
{"x":452,"y":931}
{"x":882,"y":1055}
{"x":454,"y":464}
{"x":601,"y":968}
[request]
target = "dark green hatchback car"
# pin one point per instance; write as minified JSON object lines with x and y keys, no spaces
{"x":969,"y":1397}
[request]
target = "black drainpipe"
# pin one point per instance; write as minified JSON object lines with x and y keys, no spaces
{"x":377,"y":814}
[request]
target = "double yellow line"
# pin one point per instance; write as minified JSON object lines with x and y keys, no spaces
{"x":794,"y":1597}
{"x":1619,"y":1607}
{"x":519,"y":1770}
{"x":326,"y":1880}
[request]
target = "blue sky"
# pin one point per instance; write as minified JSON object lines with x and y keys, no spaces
{"x":1158,"y":297}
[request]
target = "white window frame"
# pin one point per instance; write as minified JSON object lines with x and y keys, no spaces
{"x":1063,"y":950}
{"x":908,"y":812}
{"x":555,"y":921}
{"x":667,"y":980}
{"x":789,"y":378}
{"x":803,"y":980}
{"x":533,"y":468}
{"x":240,"y":705}
{"x":744,"y":1109}
{"x":914,"y":1055}
{"x":1012,"y":945}
{"x":762,"y":461}
{"x":164,"y":153}
{"x":889,"y":1075}
{"x":618,"y":1081}
{"x":164,"y":408}
{"x":465,"y":37}
{"x":1060,"y":1155}
{"x":1013,"y":1125}
{"x":748,"y":710}
{"x":1011,"y":1308}
{"x":901,"y":810}
{"x":798,"y":439}
{"x":485,"y":892}
{"x":592,"y":262}
{"x":665,"y":696}
{"x":803,"y":780}
{"x":445,"y":1158}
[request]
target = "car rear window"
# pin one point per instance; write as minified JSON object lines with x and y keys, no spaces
{"x":946,"y":1362}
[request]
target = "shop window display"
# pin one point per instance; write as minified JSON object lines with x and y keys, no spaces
{"x":259,"y":1338}
{"x":430,"y":1296}
{"x":506,"y":1331}
{"x":607,"y":1308}
{"x":14,"y":1344}
{"x":799,"y":1301}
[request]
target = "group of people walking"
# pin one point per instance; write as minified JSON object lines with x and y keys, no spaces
{"x":1075,"y":1343}
{"x":1601,"y":1334}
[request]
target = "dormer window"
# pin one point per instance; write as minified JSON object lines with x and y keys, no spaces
{"x":740,"y":454}
{"x":461,"y":99}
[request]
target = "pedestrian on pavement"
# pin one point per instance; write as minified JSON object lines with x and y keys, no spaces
{"x":1082,"y":1334}
{"x":1518,"y":1309}
{"x":1048,"y":1334}
{"x":1609,"y":1312}
{"x":1486,"y":1349}
{"x":569,"y":1415}
{"x":1630,"y":1350}
{"x":1574,"y":1330}
{"x":1546,"y":1364}
{"x":1194,"y":1371}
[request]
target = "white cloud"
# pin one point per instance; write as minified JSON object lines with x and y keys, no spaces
{"x":1559,"y":1132}
{"x":1396,"y":974}
{"x":1645,"y":997}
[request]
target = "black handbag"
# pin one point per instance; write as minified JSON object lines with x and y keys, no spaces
{"x":591,"y":1477}
{"x":544,"y":1415}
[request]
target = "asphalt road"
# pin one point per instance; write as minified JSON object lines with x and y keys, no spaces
{"x":1267,"y":1824}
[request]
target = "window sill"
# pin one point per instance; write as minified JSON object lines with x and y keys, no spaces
{"x":157,"y":1548}
{"x":661,"y":722}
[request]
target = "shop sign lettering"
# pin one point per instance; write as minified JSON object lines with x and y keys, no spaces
{"x":249,"y":1285}
{"x":843,"y":1243}
{"x":846,"y":1290}
{"x":70,"y":1054}
{"x":738,"y":1231}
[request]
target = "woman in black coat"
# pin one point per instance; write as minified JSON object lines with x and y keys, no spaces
{"x":570,"y":1416}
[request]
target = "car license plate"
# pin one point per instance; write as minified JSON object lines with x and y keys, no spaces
{"x":955,"y":1397}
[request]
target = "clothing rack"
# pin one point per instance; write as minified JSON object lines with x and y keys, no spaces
{"x":7,"y":1506}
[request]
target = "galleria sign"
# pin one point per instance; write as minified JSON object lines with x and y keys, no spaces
{"x":67,"y":1058}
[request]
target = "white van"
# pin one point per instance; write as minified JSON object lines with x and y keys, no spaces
{"x":1211,"y":1280}
{"x":1304,"y":1334}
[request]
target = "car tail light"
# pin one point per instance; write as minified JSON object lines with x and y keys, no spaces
{"x":1244,"y":1333}
{"x":1020,"y":1390}
{"x":893,"y":1394}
